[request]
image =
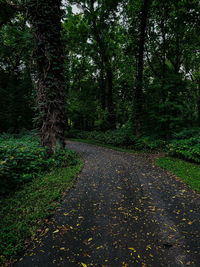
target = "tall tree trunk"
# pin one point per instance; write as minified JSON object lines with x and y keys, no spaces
{"x":198,"y":103}
{"x":106,"y":99}
{"x":165,"y":125}
{"x":45,"y":18}
{"x":110,"y":105}
{"x":163,"y":55}
{"x":102,"y":86}
{"x":140,"y":66}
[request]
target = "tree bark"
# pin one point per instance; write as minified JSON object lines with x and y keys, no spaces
{"x":45,"y":18}
{"x":110,"y":105}
{"x":198,"y":103}
{"x":140,"y":66}
{"x":102,"y":86}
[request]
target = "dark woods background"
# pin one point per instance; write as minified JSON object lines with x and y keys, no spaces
{"x":129,"y":65}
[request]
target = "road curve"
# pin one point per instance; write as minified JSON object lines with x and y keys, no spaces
{"x":123,"y":211}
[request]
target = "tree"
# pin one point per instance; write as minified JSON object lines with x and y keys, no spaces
{"x":142,"y":33}
{"x":45,"y":19}
{"x":16,"y":102}
{"x":101,"y":20}
{"x":172,"y":39}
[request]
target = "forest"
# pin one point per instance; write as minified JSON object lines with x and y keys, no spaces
{"x":118,"y":73}
{"x":125,"y":65}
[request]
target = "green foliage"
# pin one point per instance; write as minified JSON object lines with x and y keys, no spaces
{"x":22,"y":159}
{"x":175,"y":108}
{"x":74,"y":133}
{"x":189,"y":172}
{"x":120,"y":138}
{"x":6,"y":13}
{"x":188,"y":149}
{"x":149,"y":143}
{"x":16,"y":87}
{"x":102,"y":39}
{"x":187,"y":133}
{"x":24,"y":211}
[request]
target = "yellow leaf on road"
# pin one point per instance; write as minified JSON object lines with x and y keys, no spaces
{"x":132,"y":249}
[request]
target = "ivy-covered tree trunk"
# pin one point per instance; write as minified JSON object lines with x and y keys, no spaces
{"x":45,"y":19}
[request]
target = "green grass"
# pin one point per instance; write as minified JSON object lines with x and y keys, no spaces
{"x":104,"y":145}
{"x":188,"y":172}
{"x":23,"y":212}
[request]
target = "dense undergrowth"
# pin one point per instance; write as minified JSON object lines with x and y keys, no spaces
{"x":22,"y":159}
{"x":31,"y":186}
{"x":120,"y":138}
{"x":24,"y":211}
{"x":184,"y":145}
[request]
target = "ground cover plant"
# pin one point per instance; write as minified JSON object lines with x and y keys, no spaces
{"x":24,"y":211}
{"x":188,"y":149}
{"x":187,"y":171}
{"x":32,"y":182}
{"x":22,"y":159}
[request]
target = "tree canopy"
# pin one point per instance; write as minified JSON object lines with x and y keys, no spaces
{"x":112,"y":64}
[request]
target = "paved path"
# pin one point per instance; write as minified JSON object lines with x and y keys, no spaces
{"x":123,"y":211}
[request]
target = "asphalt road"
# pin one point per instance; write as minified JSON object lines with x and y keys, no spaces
{"x":123,"y":211}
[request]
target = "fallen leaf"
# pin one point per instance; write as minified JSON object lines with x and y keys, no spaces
{"x":132,"y":249}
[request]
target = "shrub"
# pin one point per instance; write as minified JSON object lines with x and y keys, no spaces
{"x":188,"y":149}
{"x":120,"y":138}
{"x":73,"y":133}
{"x":21,"y":159}
{"x":187,"y":133}
{"x":147,"y":143}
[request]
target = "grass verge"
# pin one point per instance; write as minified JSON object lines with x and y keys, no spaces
{"x":22,"y":212}
{"x":188,"y":172}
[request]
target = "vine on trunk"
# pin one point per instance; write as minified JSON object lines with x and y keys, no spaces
{"x":45,"y":19}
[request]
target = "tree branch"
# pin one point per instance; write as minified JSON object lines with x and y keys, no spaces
{"x":15,"y":6}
